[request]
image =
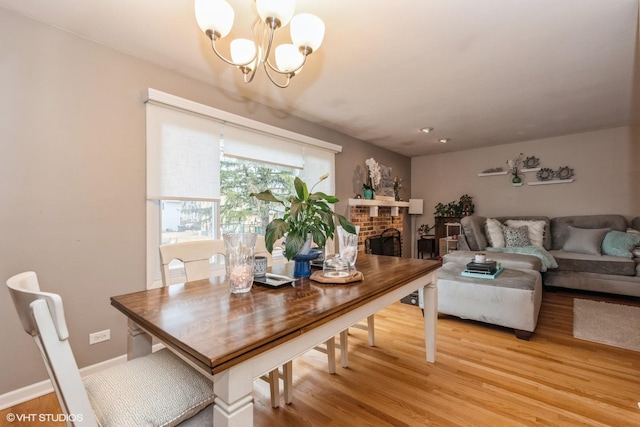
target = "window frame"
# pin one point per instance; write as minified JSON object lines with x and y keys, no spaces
{"x":153,"y":207}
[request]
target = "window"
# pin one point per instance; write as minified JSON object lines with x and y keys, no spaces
{"x":203,"y":163}
{"x":239,"y":178}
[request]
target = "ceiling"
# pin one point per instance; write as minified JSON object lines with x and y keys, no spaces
{"x":481,"y":73}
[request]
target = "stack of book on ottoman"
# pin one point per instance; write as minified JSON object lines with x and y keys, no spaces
{"x":486,"y":270}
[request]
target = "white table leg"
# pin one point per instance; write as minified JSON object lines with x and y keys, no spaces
{"x":234,"y":402}
{"x":138,"y":341}
{"x":430,"y":320}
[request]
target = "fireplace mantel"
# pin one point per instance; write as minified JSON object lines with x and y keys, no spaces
{"x":374,"y":204}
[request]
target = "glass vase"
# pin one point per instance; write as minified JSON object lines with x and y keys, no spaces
{"x":239,"y":253}
{"x":348,"y":245}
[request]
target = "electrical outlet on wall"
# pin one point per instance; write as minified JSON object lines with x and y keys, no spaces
{"x":97,"y":337}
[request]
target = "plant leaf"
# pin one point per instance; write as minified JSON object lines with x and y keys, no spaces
{"x":319,"y":195}
{"x":275,"y":230}
{"x":266,"y":196}
{"x":348,"y":226}
{"x":293,"y":244}
{"x":301,"y":189}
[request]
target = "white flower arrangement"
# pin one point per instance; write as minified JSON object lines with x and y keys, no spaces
{"x":374,"y":174}
{"x":515,"y":165}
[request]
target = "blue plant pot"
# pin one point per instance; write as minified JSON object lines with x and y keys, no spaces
{"x":302,"y":265}
{"x":368,"y":194}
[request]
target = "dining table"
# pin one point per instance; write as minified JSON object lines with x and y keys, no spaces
{"x":236,"y":338}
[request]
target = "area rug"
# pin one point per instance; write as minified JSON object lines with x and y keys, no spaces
{"x":606,"y":323}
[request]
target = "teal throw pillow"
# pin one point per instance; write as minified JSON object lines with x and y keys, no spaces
{"x":619,"y":243}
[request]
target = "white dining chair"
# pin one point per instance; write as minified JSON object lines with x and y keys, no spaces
{"x":153,"y":390}
{"x":344,"y":338}
{"x":196,"y":257}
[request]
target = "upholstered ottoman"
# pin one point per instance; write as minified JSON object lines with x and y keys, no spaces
{"x":512,"y":299}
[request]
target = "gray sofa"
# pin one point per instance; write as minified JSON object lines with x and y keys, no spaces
{"x":568,"y":240}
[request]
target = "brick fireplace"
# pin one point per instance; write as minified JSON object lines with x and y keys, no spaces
{"x":371,"y":226}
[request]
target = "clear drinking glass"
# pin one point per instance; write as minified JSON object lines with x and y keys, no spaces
{"x":239,"y":251}
{"x":348,"y":244}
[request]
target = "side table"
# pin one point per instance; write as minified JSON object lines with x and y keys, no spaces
{"x":427,"y":244}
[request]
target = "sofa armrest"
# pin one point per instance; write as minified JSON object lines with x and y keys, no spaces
{"x":473,"y":230}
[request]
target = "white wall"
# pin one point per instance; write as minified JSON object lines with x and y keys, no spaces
{"x":602,"y":163}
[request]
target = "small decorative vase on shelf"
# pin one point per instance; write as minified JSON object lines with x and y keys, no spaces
{"x":516,"y":180}
{"x":368,"y":194}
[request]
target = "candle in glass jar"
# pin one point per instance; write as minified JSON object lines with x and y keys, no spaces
{"x":241,"y":274}
{"x":481,"y":258}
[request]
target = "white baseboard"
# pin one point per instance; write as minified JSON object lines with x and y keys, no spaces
{"x":21,"y":395}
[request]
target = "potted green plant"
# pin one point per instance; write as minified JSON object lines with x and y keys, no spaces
{"x":306,"y":216}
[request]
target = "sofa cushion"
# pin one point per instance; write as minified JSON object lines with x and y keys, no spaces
{"x":516,"y":237}
{"x":585,"y":240}
{"x":560,"y":226}
{"x":601,"y":264}
{"x":495,"y":233}
{"x":536,"y":229}
{"x":635,"y":223}
{"x":618,"y":243}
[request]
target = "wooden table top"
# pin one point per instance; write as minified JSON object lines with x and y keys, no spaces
{"x":217,"y":329}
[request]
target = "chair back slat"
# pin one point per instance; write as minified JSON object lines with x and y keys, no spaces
{"x":24,"y":289}
{"x":194,"y":255}
{"x":42,"y":316}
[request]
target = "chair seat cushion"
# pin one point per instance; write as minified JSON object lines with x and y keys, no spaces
{"x":167,"y":392}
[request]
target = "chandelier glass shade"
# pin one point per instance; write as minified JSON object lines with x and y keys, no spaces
{"x":215,"y":18}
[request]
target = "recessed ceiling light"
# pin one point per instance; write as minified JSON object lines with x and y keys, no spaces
{"x":426,"y":130}
{"x":444,"y":140}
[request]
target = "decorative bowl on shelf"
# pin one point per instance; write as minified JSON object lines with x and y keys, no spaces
{"x":545,"y":174}
{"x":565,"y":172}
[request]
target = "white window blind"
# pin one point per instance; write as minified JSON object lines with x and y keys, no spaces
{"x":251,"y":144}
{"x":183,"y":155}
{"x":317,"y":162}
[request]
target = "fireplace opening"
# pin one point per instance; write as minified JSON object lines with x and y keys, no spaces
{"x":389,"y":242}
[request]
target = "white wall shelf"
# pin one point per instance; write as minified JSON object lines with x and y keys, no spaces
{"x":530,"y":170}
{"x":492,"y":173}
{"x":375,"y":204}
{"x":552,"y":181}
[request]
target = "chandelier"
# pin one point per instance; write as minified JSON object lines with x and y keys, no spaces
{"x":215,"y":19}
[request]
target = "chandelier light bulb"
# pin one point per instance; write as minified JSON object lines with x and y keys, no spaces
{"x":288,"y":57}
{"x":307,"y":30}
{"x":282,"y":10}
{"x":243,"y":51}
{"x":214,"y":15}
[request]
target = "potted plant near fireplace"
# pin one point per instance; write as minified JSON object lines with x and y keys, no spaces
{"x":307,"y":217}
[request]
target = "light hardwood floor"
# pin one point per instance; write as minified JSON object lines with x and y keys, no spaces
{"x":483,"y":376}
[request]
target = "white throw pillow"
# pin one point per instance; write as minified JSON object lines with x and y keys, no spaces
{"x":536,"y":229}
{"x":494,"y":232}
